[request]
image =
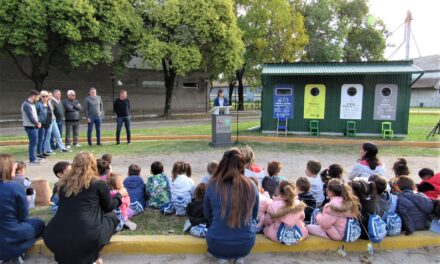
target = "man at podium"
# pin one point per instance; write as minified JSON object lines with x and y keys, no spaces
{"x":220,"y":100}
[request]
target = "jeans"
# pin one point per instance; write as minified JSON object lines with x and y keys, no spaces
{"x":43,"y":145}
{"x":53,"y":140}
{"x":72,"y":125}
{"x":56,"y":135}
{"x":32,"y":134}
{"x":94,"y":120}
{"x":38,"y":225}
{"x":126,"y":121}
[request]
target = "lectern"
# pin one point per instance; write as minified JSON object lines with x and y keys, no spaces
{"x":221,"y":126}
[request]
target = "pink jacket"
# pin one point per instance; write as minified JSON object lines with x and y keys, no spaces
{"x":125,"y":205}
{"x":332,"y":222}
{"x":263,"y":205}
{"x":292,"y":219}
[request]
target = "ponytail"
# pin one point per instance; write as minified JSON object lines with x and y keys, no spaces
{"x":351,"y":201}
{"x":188,"y":170}
{"x":288,"y":193}
{"x":333,"y":171}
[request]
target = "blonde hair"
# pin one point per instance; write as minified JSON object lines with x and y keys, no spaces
{"x":6,"y":167}
{"x":112,"y":181}
{"x":288,"y":193}
{"x":351,"y":201}
{"x":248,"y":155}
{"x":83,"y":172}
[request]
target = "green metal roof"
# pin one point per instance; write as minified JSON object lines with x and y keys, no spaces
{"x":335,"y":68}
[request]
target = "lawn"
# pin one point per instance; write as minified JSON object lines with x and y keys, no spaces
{"x":150,"y":222}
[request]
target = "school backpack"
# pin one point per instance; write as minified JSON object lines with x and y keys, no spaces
{"x":352,"y":230}
{"x":393,"y":223}
{"x":315,"y":212}
{"x":289,"y":235}
{"x":270,"y":185}
{"x":377,"y":228}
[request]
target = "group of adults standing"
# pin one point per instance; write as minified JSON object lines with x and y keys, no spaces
{"x":43,"y":113}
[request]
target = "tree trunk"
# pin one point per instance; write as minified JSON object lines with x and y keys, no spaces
{"x":39,"y":69}
{"x":231,"y":90}
{"x":240,"y":73}
{"x":169,"y":76}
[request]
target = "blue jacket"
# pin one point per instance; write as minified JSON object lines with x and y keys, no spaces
{"x":216,"y":102}
{"x":136,"y":189}
{"x":16,"y":236}
{"x":42,"y":112}
{"x":223,"y":241}
{"x":414,"y":209}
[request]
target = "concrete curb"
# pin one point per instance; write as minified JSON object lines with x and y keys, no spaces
{"x":266,"y":139}
{"x":185,"y":244}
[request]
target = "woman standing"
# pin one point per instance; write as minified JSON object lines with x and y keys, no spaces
{"x":368,"y":164}
{"x":45,"y":118}
{"x":17,"y":232}
{"x":84,"y":222}
{"x":220,"y":100}
{"x":230,"y":205}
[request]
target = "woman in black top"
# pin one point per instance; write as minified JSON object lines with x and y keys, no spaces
{"x":85,"y":221}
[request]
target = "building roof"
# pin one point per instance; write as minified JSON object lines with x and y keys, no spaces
{"x":424,"y":83}
{"x":428,"y":63}
{"x":335,"y":68}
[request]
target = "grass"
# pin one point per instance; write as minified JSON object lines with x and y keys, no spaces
{"x":150,"y":222}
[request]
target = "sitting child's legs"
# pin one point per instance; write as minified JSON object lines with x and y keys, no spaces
{"x":317,"y":231}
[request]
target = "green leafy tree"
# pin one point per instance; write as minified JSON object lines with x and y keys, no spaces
{"x":273,"y":32}
{"x":182,"y":36}
{"x":41,"y":35}
{"x":342,"y":30}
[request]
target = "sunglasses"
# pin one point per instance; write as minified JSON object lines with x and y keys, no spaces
{"x":44,"y":96}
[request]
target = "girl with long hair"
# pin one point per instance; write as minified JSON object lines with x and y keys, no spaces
{"x":368,"y":164}
{"x":287,"y":209}
{"x":368,"y":199}
{"x":230,"y":205}
{"x":333,"y":219}
{"x":85,"y":221}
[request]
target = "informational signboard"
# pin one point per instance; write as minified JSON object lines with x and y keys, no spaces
{"x":223,"y":124}
{"x":385,"y":102}
{"x":351,"y":101}
{"x":314,"y":101}
{"x":283,"y":96}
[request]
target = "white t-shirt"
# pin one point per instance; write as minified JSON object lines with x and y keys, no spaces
{"x":221,"y":101}
{"x":317,"y":188}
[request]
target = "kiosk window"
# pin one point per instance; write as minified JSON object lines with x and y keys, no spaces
{"x":314,"y":91}
{"x":352,"y":91}
{"x":284,"y":91}
{"x":386,"y":91}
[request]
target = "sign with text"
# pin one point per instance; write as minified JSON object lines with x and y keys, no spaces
{"x":224,"y":124}
{"x":283,"y":96}
{"x":351,"y":101}
{"x":314,"y":101}
{"x":385,"y":102}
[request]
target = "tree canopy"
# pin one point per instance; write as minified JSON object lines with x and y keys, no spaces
{"x":62,"y":35}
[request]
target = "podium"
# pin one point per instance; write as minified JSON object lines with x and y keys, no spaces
{"x":221,"y":126}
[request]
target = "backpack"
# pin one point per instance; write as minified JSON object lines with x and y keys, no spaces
{"x":270,"y":185}
{"x":289,"y":235}
{"x":352,"y":230}
{"x":393,"y":223}
{"x":377,"y":228}
{"x":315,"y":212}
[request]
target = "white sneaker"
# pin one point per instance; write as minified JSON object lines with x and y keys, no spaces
{"x":68,"y":147}
{"x":130,"y":225}
{"x":77,"y":145}
{"x":186,"y":226}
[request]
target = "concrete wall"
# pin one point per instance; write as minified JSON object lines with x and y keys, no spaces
{"x":145,"y":89}
{"x":429,"y":97}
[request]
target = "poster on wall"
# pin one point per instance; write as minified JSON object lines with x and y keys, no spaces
{"x":283,"y":96}
{"x":314,"y":101}
{"x":385,"y":102}
{"x":351,"y":101}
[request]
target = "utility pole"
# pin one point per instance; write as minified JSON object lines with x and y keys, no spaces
{"x":407,"y":38}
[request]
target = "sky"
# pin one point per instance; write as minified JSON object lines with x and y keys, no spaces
{"x":425,"y":25}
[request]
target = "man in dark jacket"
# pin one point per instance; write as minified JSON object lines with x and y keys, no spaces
{"x":71,"y":115}
{"x":121,"y":107}
{"x":58,"y":112}
{"x":31,"y":124}
{"x":413,"y":208}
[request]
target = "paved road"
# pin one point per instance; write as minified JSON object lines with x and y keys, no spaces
{"x":17,"y":130}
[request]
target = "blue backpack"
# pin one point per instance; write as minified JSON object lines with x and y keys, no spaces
{"x":352,"y":230}
{"x":289,"y":235}
{"x":377,"y":228}
{"x":393,"y":223}
{"x":315,"y":212}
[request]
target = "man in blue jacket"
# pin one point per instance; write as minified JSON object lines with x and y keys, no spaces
{"x":31,"y":124}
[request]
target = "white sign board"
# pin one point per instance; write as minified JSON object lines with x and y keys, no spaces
{"x":385,"y":102}
{"x":351,"y":101}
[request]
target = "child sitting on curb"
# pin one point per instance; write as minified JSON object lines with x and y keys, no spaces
{"x":400,"y":168}
{"x":59,"y":169}
{"x":316,"y":184}
{"x":270,"y":183}
{"x":136,"y":188}
{"x":20,"y":178}
{"x":430,"y":184}
{"x":157,"y":188}
{"x":252,"y":169}
{"x":263,"y":204}
{"x":125,"y":212}
{"x":304,"y":195}
{"x":343,"y":204}
{"x":387,"y":202}
{"x":334,"y":171}
{"x":285,"y":210}
{"x":195,"y":212}
{"x":104,"y":169}
{"x":413,"y":208}
{"x":212,"y":166}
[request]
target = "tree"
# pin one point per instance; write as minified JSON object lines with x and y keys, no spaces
{"x":182,"y":36}
{"x":273,"y":32}
{"x":342,"y":30}
{"x":62,"y":35}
